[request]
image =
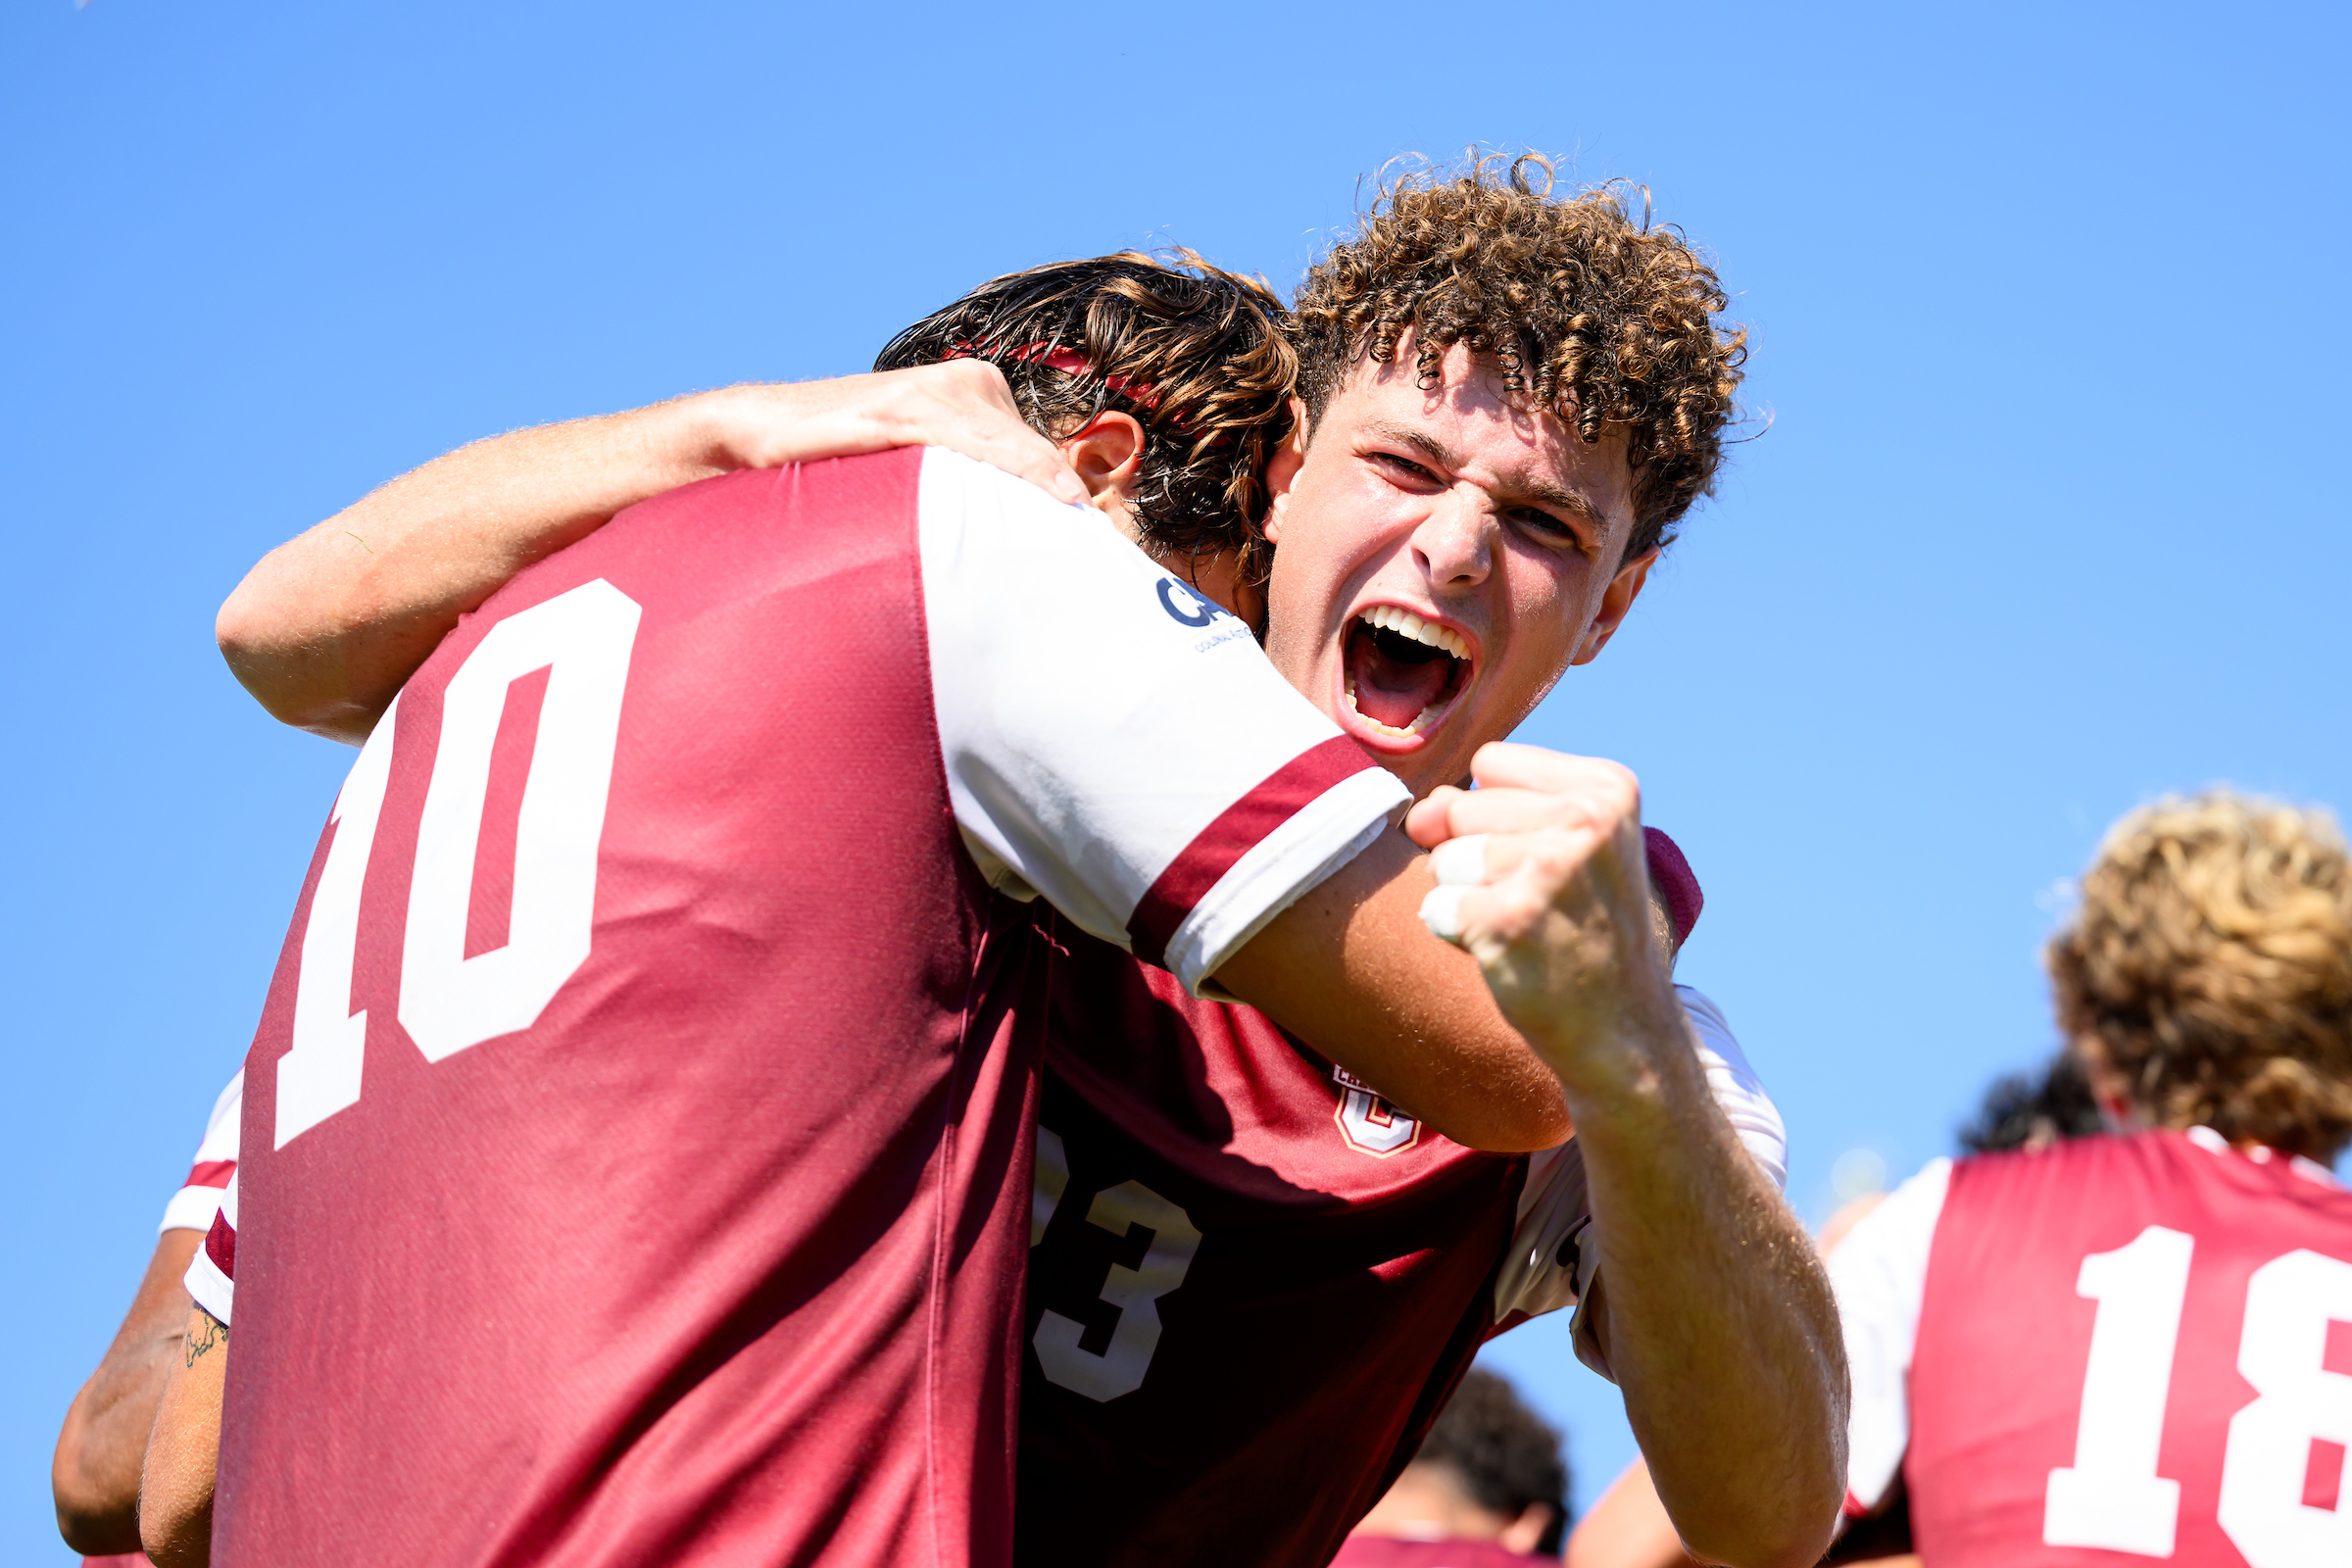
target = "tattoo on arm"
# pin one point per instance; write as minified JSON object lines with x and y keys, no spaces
{"x":211,"y":1334}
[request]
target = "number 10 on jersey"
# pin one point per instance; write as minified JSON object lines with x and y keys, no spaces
{"x":448,"y":1002}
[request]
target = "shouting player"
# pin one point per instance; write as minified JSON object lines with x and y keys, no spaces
{"x":1378,"y":423}
{"x":636,"y":1140}
{"x":2140,"y":1346}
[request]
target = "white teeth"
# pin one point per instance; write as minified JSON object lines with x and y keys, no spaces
{"x":1404,"y":623}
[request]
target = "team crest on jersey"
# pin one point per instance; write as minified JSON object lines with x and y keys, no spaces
{"x":1370,"y":1124}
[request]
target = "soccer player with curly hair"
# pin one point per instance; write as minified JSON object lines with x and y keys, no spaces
{"x":2141,"y":1343}
{"x":1258,"y":1269}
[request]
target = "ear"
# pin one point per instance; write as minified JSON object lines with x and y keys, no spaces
{"x":1522,"y":1534}
{"x":1624,"y":589}
{"x":1107,"y":455}
{"x":1281,"y":471}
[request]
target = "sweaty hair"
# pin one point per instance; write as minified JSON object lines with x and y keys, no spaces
{"x":2211,"y":958}
{"x":1195,"y":354}
{"x":2032,"y":1111}
{"x":1593,"y":315}
{"x":1503,"y":1453}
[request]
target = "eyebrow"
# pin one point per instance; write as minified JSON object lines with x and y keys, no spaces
{"x":1538,"y":491}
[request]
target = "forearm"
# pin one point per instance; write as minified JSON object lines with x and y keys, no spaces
{"x":175,"y":1487}
{"x":1350,"y":970}
{"x":94,"y":1476}
{"x":325,"y":630}
{"x":329,"y":626}
{"x":1715,"y":1312}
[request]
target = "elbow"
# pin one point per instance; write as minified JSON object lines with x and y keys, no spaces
{"x":92,"y":1524}
{"x":297,"y":683}
{"x":1507,"y":1124}
{"x":1792,"y":1541}
{"x":95,"y":1518}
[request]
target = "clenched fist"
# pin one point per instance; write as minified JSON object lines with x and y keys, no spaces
{"x":1543,"y":879}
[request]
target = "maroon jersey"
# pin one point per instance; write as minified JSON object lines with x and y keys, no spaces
{"x":635,"y":1154}
{"x":2118,"y":1348}
{"x":1253,"y":1283}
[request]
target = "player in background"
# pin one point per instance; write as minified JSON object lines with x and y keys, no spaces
{"x":1486,"y":1489}
{"x":1394,"y":660}
{"x":1628,"y":1527}
{"x":2140,"y":1346}
{"x":94,"y":1478}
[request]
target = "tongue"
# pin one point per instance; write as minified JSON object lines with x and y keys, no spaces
{"x":1392,"y":691}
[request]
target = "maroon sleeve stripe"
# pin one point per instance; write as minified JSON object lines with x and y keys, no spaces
{"x":220,"y":1245}
{"x":1236,"y":832}
{"x":210,"y":1173}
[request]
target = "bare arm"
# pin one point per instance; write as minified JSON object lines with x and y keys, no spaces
{"x":175,"y":1489}
{"x":94,"y":1478}
{"x":1712,"y":1308}
{"x":328,"y":625}
{"x":1627,"y":1528}
{"x":1349,"y":969}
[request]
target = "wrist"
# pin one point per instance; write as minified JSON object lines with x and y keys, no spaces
{"x":1635,"y":1065}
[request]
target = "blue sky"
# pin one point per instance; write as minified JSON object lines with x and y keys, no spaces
{"x":2047,"y":519}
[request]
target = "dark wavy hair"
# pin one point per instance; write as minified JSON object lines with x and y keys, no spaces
{"x":1595,"y":316}
{"x":2034,"y":1110}
{"x":1506,"y":1455}
{"x":1195,"y":353}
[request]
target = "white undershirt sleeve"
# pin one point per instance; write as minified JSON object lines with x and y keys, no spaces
{"x":1555,"y":1252}
{"x":1879,"y":1272}
{"x":1114,"y":742}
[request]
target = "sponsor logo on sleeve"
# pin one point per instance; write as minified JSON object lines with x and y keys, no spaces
{"x":1194,"y":611}
{"x":1188,"y":606}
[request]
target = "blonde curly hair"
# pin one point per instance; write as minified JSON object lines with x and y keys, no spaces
{"x":2212,"y":961}
{"x":1595,"y":316}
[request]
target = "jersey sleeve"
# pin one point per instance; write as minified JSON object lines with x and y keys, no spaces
{"x":192,"y":1207}
{"x":211,"y":1274}
{"x":1553,"y":1254}
{"x":1118,"y":744}
{"x":1879,"y":1272}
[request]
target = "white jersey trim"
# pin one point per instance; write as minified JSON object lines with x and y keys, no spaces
{"x":208,"y":1284}
{"x":1277,"y":871}
{"x":193,"y":1207}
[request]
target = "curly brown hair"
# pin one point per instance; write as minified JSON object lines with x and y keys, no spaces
{"x":1195,"y":353}
{"x":2212,"y":961}
{"x":1595,"y":316}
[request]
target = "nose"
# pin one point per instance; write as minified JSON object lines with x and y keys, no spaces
{"x":1454,"y":545}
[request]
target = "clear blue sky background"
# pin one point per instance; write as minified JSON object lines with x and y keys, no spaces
{"x":2046,"y":304}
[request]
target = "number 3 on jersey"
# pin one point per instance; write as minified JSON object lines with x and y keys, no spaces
{"x":448,"y":1000}
{"x":2111,"y":1496}
{"x":1121,"y":1210}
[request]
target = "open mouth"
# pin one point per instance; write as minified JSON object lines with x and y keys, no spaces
{"x":1402,"y":672}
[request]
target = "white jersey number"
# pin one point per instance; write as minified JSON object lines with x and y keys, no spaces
{"x":2111,"y":1496}
{"x":449,"y":1001}
{"x":1121,"y":1210}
